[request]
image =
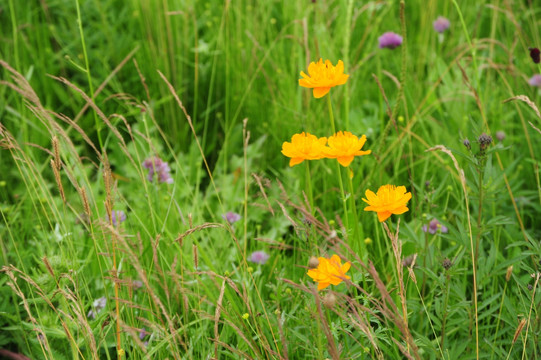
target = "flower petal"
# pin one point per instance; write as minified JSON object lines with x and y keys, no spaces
{"x":319,"y":92}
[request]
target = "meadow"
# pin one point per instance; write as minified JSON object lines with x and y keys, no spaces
{"x":324,"y":179}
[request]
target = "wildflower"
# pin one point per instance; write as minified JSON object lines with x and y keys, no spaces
{"x":118,"y":217}
{"x":157,"y":165}
{"x":447,"y":264}
{"x":390,"y":199}
{"x":535,"y":80}
{"x":408,"y":261}
{"x":231,"y":217}
{"x":329,"y":272}
{"x":142,"y":334}
{"x":259,"y":257}
{"x":368,"y":241}
{"x":245,"y":316}
{"x":344,"y":146}
{"x":389,"y":40}
{"x":441,"y":24}
{"x":303,"y":146}
{"x":484,"y":141}
{"x":433,"y":227}
{"x":535,"y":55}
{"x":500,"y":135}
{"x":97,"y":306}
{"x":322,"y":76}
{"x":467,"y":144}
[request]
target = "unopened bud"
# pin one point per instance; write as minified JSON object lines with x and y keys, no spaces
{"x":447,"y":264}
{"x":329,"y":300}
{"x":313,"y":262}
{"x":467,"y":144}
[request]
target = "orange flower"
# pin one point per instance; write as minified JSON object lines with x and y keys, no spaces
{"x":329,"y":272}
{"x":389,"y":200}
{"x":323,"y":76}
{"x":303,"y":146}
{"x":344,"y":146}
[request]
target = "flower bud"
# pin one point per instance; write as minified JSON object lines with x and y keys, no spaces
{"x":447,"y":264}
{"x":329,"y":300}
{"x":313,"y":262}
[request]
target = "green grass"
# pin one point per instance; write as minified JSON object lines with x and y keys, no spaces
{"x":212,"y":89}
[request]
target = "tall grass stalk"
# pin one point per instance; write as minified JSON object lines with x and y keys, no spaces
{"x":87,"y":70}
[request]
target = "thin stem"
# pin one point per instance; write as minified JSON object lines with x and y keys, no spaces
{"x":480,"y":210}
{"x":356,"y":232}
{"x":499,"y":317}
{"x":308,"y":184}
{"x":446,"y":301}
{"x":440,"y":347}
{"x":308,"y":180}
{"x":473,"y":50}
{"x":331,"y":115}
{"x":87,"y":70}
{"x":347,"y":41}
{"x":338,"y":170}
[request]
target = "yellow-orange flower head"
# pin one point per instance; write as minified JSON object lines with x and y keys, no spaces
{"x":303,"y":146}
{"x":329,"y":272}
{"x":322,"y":76}
{"x":389,"y":200}
{"x":344,"y":146}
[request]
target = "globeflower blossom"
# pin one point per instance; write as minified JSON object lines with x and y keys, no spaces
{"x":433,"y":227}
{"x":344,"y":146}
{"x":390,"y":40}
{"x":157,"y":165}
{"x":390,"y":199}
{"x":441,"y":24}
{"x":329,"y":272}
{"x":322,"y":76}
{"x":259,"y":257}
{"x":535,"y":80}
{"x":231,"y":217}
{"x":303,"y":146}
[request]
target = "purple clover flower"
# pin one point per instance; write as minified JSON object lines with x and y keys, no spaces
{"x":157,"y":165}
{"x":535,"y":80}
{"x":118,"y":217}
{"x":441,"y":24}
{"x":142,"y":334}
{"x":259,"y":257}
{"x":97,"y":306}
{"x":231,"y":217}
{"x":433,"y":227}
{"x":389,"y":40}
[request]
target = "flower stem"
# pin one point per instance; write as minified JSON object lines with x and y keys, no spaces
{"x":357,"y":236}
{"x":310,"y":195}
{"x":331,"y":115}
{"x":338,"y":170}
{"x":309,"y":188}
